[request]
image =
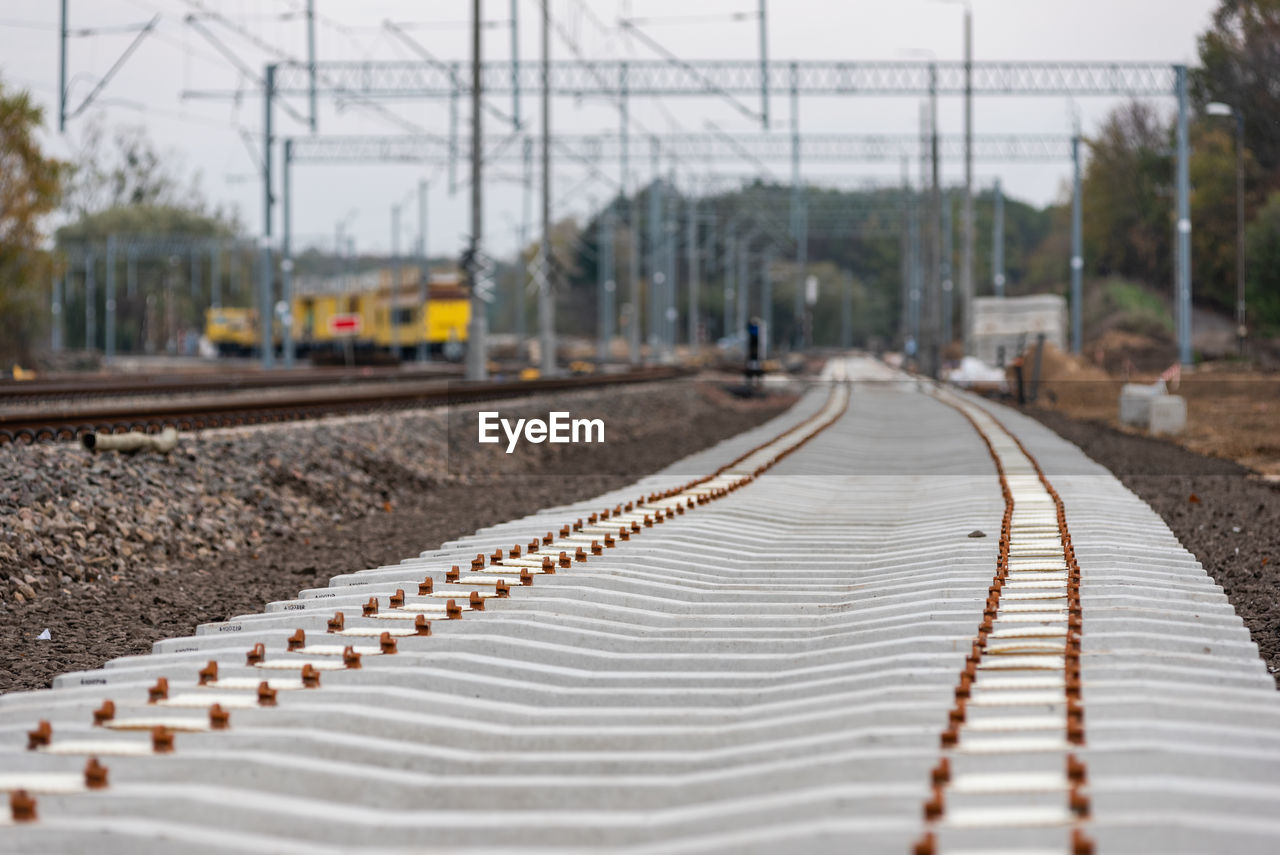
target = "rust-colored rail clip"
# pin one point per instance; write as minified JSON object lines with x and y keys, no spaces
{"x":370,"y":608}
{"x":297,"y":641}
{"x":337,"y":622}
{"x":41,"y":736}
{"x":476,"y":601}
{"x":452,"y":610}
{"x":161,"y":740}
{"x":396,"y":600}
{"x":941,"y":773}
{"x":548,"y":566}
{"x":477,"y":562}
{"x":548,"y":539}
{"x":310,"y":677}
{"x":926,"y":845}
{"x":209,"y":673}
{"x":266,"y":695}
{"x":564,"y":559}
{"x":426,"y":586}
{"x":22,"y":806}
{"x":219,"y":719}
{"x":526,"y":578}
{"x":496,"y":557}
{"x":350,"y":658}
{"x":609,"y":542}
{"x":104,"y":713}
{"x":95,"y":775}
{"x":421,"y":626}
{"x":387,"y":644}
{"x":502,"y":589}
{"x":934,"y":807}
{"x":533,"y":545}
{"x":255,"y":655}
{"x":158,"y":692}
{"x":596,"y":548}
{"x":580,"y":554}
{"x":515,"y":550}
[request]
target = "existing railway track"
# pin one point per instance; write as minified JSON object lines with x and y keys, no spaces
{"x":85,"y":387}
{"x":792,"y":641}
{"x":46,"y":422}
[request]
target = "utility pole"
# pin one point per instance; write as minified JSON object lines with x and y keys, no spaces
{"x":633,"y":221}
{"x":90,"y":303}
{"x":55,"y":311}
{"x":606,"y":278}
{"x":656,"y":276}
{"x":1077,"y":249}
{"x":764,"y":67}
{"x":131,"y":275}
{"x":477,"y":358}
{"x":397,"y":345}
{"x":766,"y":300}
{"x":846,"y":313}
{"x":109,"y":341}
{"x":515,"y":64}
{"x":546,"y":309}
{"x":917,"y":277}
{"x":671,"y":312}
{"x":744,"y":286}
{"x":799,"y":216}
{"x":966,"y":261}
{"x":62,"y":69}
{"x":1183,"y":266}
{"x":286,"y":246}
{"x":215,"y":274}
{"x":948,"y":289}
{"x":997,"y":242}
{"x":727,"y":269}
{"x":904,"y":317}
{"x":526,"y":219}
{"x":265,"y":325}
{"x":424,"y":272}
{"x":691,"y":248}
{"x":311,"y":62}
{"x":935,"y":230}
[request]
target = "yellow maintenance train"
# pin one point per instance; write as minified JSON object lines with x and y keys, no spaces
{"x":360,"y":319}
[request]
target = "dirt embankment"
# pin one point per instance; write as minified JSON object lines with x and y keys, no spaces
{"x":110,"y":553}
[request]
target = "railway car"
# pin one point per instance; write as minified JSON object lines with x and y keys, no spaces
{"x":373,"y":323}
{"x":232,"y":330}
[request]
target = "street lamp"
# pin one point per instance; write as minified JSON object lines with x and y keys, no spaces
{"x":1218,"y":108}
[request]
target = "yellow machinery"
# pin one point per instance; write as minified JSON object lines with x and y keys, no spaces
{"x":367,"y":321}
{"x":234,"y":331}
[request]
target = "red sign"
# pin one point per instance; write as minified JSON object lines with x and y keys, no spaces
{"x":344,"y":325}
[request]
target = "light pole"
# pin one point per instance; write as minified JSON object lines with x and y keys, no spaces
{"x":1217,"y":108}
{"x":966,"y":262}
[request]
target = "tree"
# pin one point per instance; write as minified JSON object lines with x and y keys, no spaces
{"x":1240,"y":64}
{"x":1263,"y":278}
{"x":1128,"y":200}
{"x":30,"y":187}
{"x":121,"y":168}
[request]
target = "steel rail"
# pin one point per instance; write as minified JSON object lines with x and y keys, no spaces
{"x":1013,"y":662}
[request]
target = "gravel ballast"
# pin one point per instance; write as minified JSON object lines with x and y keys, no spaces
{"x":111,"y":552}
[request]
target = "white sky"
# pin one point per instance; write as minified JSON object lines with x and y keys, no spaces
{"x":207,"y":135}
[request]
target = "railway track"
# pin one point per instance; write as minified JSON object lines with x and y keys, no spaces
{"x":895,"y":619}
{"x":45,"y":422}
{"x":77,"y":387}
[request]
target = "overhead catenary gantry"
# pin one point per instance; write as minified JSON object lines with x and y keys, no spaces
{"x":617,"y":80}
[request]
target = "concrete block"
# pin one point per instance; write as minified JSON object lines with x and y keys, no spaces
{"x":1135,"y":402}
{"x":1167,"y":415}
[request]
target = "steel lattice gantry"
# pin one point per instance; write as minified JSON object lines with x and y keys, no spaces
{"x":599,"y":148}
{"x":619,"y":79}
{"x":662,"y":78}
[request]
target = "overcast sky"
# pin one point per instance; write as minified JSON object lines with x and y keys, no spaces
{"x":207,"y":135}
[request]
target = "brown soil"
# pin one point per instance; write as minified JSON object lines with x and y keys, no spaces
{"x":1227,"y":516}
{"x":1232,"y":413}
{"x":96,"y":620}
